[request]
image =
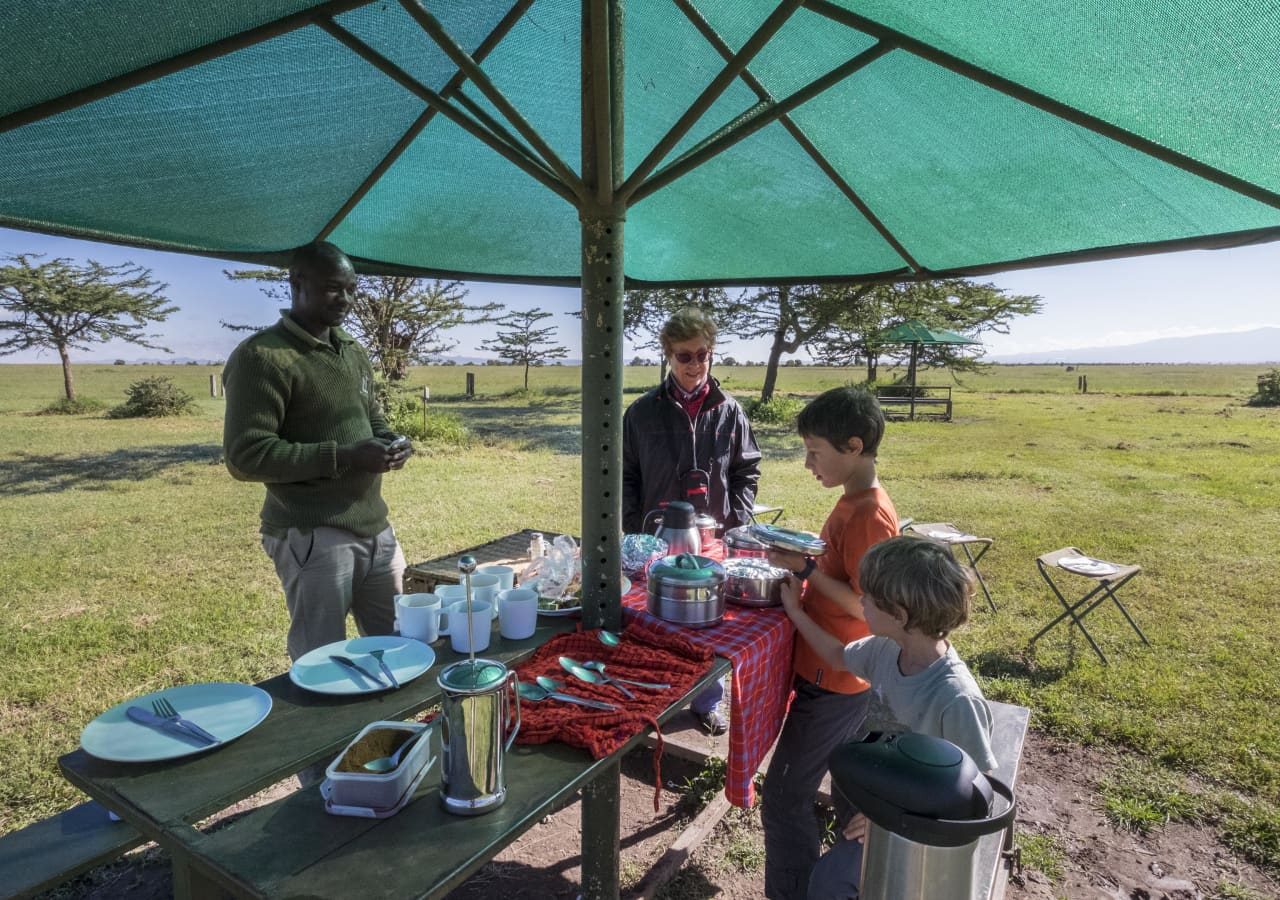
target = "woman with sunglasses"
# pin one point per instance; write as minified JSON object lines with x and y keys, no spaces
{"x":688,"y":440}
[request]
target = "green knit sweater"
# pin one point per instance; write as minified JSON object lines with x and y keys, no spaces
{"x":291,"y":401}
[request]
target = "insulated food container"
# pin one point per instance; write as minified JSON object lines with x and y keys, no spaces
{"x":739,"y":542}
{"x":753,"y":582}
{"x":687,"y":590}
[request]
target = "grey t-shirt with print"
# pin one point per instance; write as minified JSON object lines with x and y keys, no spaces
{"x":942,"y":701}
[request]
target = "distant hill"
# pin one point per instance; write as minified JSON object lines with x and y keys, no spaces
{"x":1262,"y":345}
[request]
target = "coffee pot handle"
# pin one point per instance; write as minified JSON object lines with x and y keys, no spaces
{"x":512,"y":689}
{"x":644,"y":523}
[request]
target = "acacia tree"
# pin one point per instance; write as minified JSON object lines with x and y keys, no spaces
{"x":955,"y":304}
{"x":65,"y":306}
{"x":793,"y":316}
{"x":399,"y":320}
{"x":520,"y":343}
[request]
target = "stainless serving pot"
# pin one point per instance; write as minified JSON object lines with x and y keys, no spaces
{"x":753,"y":582}
{"x":739,"y":542}
{"x":687,"y":590}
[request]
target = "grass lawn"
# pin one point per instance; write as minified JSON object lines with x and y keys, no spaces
{"x":134,"y":562}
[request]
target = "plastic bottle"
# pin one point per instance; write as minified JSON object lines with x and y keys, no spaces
{"x":537,"y":546}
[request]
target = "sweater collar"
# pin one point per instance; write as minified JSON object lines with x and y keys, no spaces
{"x":336,"y":335}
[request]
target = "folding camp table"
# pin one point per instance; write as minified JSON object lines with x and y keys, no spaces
{"x":974,"y":547}
{"x":1107,"y":578}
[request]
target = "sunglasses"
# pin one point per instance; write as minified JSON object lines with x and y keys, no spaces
{"x":684,"y":357}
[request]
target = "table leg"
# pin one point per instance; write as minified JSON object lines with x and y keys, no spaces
{"x":601,"y":820}
{"x":190,"y":884}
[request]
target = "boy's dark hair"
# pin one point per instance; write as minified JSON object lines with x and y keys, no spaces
{"x":922,"y":579}
{"x":843,"y":413}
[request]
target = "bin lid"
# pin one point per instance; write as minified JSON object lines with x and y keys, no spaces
{"x":472,"y":676}
{"x":922,"y":788}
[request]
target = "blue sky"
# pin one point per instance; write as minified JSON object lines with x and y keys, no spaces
{"x":1086,"y":305}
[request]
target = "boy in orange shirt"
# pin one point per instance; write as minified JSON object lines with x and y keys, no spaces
{"x":841,"y":430}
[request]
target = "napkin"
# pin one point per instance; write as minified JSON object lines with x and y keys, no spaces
{"x":643,"y":655}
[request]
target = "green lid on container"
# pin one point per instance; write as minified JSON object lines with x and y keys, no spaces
{"x":686,"y":568}
{"x":472,"y":675}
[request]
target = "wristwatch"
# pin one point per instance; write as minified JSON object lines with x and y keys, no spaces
{"x":809,"y":565}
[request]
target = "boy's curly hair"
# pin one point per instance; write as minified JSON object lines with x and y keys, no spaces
{"x":843,"y":413}
{"x":922,"y":579}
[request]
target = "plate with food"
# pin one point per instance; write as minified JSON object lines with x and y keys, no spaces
{"x":568,"y":604}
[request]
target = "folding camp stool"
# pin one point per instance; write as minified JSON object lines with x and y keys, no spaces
{"x":759,"y":511}
{"x":1110,"y":578}
{"x":974,"y":547}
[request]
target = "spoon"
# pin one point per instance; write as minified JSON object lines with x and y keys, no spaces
{"x":387,"y":763}
{"x":573,"y":667}
{"x":537,"y":692}
{"x":596,"y":666}
{"x":609,"y":638}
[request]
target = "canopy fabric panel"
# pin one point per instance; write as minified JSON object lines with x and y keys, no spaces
{"x":952,"y":138}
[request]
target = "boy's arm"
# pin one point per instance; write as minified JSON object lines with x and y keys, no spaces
{"x":827,"y":646}
{"x":841,"y":593}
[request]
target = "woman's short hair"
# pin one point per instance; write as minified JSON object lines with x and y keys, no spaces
{"x":922,"y":579}
{"x":685,"y":325}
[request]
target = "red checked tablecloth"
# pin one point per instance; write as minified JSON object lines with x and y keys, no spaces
{"x":758,"y":643}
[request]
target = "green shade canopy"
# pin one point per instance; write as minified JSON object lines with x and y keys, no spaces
{"x":913,"y":331}
{"x":851,"y":139}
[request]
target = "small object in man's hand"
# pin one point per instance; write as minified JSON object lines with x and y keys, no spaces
{"x":400,"y":443}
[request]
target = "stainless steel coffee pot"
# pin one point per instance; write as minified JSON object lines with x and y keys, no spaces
{"x":479,"y":720}
{"x":678,"y":527}
{"x":475,"y":718}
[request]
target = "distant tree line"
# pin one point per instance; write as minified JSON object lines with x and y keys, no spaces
{"x":404,"y":321}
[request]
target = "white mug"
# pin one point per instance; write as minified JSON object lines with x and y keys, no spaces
{"x":455,"y":625}
{"x":517,"y":613}
{"x":506,"y":575}
{"x":419,"y":616}
{"x":484,"y":589}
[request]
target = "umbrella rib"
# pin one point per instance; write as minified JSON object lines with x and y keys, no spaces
{"x":453,"y":85}
{"x":433,"y":99}
{"x":722,"y":142}
{"x":714,"y":39}
{"x":636,"y":181}
{"x":161,"y":68}
{"x":463,"y":60}
{"x":1045,"y":103}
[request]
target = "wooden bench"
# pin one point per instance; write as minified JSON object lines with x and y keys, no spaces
{"x":929,"y":402}
{"x":53,"y":850}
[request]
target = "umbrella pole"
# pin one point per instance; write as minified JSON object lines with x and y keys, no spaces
{"x":602,"y":214}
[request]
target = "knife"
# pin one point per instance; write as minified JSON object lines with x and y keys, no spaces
{"x":356,"y":667}
{"x":150,"y":719}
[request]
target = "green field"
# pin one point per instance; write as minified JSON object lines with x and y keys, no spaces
{"x":132,"y":557}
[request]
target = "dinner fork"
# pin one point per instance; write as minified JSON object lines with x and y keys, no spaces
{"x":164,"y":709}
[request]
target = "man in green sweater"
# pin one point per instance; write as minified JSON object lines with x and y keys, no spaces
{"x":303,"y":418}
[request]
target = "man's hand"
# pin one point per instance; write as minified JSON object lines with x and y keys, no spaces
{"x":370,"y":455}
{"x":400,"y":449}
{"x":856,"y":830}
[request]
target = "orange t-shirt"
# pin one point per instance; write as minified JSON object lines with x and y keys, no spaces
{"x":858,"y":523}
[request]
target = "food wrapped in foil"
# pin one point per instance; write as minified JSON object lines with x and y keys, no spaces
{"x":638,"y":550}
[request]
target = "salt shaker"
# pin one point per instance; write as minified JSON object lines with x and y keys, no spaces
{"x":537,"y":546}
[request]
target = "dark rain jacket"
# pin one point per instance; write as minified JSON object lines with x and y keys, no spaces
{"x":660,"y":444}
